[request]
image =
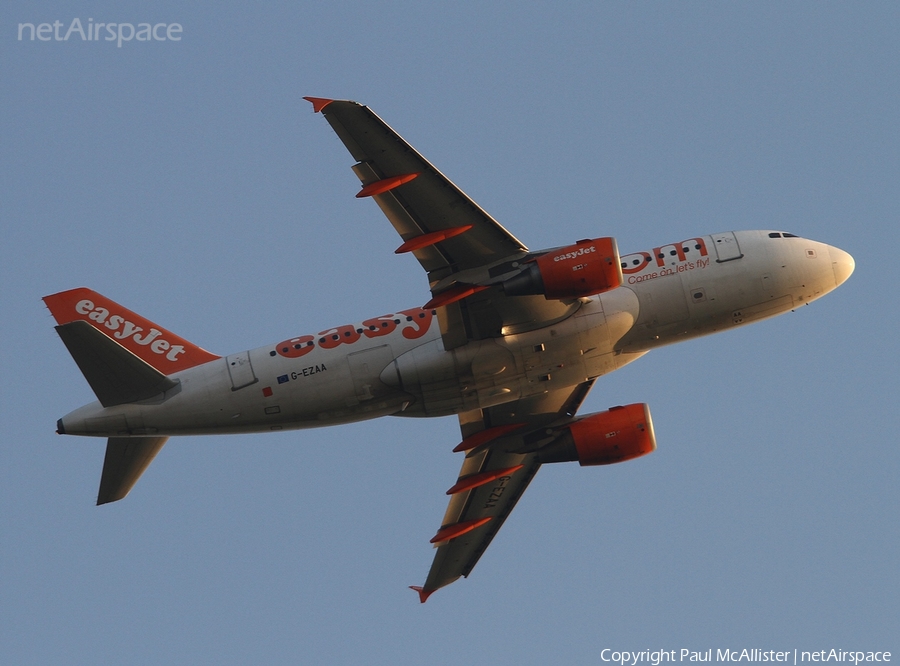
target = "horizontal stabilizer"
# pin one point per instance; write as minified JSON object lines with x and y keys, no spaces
{"x":126,"y":459}
{"x":116,"y":375}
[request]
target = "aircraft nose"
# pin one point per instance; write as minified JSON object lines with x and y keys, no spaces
{"x":842,"y":264}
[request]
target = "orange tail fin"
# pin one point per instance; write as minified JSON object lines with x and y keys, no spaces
{"x":160,"y":348}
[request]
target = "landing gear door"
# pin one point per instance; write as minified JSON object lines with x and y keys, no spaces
{"x":240,"y":370}
{"x":727,"y":248}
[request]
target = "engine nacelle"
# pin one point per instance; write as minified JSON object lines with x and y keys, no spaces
{"x":620,"y":434}
{"x":589,"y":267}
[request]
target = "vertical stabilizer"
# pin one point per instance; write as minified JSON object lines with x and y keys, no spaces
{"x":116,"y":375}
{"x":153,"y":344}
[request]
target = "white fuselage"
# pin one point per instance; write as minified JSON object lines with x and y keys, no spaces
{"x":396,"y":364}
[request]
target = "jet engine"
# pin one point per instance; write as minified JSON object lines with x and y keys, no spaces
{"x":586,"y":268}
{"x":604,"y":438}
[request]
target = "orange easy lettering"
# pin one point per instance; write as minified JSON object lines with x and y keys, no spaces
{"x":419,"y":321}
{"x":342,"y":335}
{"x":296,"y":347}
{"x":383,"y":325}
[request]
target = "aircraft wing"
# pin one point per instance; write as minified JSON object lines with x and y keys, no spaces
{"x":465,"y":252}
{"x":494,"y":474}
{"x":428,"y":203}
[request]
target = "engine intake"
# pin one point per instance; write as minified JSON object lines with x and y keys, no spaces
{"x":604,"y":438}
{"x":589,"y":267}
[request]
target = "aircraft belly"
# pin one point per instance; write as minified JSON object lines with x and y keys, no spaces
{"x":485,"y":373}
{"x":441,"y":380}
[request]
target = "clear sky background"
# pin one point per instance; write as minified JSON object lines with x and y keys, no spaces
{"x":190,"y":182}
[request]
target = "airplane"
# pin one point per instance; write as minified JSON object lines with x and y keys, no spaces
{"x":510,"y":342}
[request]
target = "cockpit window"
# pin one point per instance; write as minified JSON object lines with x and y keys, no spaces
{"x":787,"y":235}
{"x":774,"y":234}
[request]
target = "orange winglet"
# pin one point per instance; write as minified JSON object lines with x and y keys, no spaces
{"x":385,"y":185}
{"x":453,"y":294}
{"x":475,"y":480}
{"x":318,"y":103}
{"x":485,"y":436}
{"x":426,"y":240}
{"x":458,"y":529}
{"x":423,"y":593}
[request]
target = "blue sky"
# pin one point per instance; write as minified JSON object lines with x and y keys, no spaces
{"x":190,"y":182}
